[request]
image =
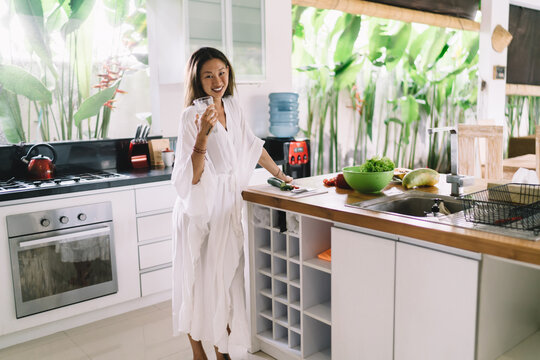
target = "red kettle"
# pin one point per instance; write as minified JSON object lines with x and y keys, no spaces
{"x":40,"y":167}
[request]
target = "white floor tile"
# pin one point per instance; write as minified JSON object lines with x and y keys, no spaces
{"x":59,"y":349}
{"x":144,"y":334}
{"x":31,"y":344}
{"x":112,"y":320}
{"x":167,"y":305}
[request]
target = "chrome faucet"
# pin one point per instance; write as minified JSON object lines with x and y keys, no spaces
{"x":453,"y":178}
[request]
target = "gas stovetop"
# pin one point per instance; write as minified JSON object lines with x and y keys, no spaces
{"x":16,"y":185}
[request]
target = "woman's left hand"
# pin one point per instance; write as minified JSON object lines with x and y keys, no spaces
{"x":281,"y":176}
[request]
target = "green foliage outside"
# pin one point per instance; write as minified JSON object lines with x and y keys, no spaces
{"x":393,"y":80}
{"x":51,"y":77}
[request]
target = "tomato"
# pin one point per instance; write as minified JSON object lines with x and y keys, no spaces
{"x":330,"y":182}
{"x":341,"y":183}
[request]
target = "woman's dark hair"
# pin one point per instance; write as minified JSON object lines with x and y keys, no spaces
{"x":193,"y":86}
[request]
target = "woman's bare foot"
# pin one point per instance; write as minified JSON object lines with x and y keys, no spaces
{"x":197,"y":348}
{"x":220,"y":356}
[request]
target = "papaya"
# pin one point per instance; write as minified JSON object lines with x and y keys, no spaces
{"x":401,"y":172}
{"x":420,"y":177}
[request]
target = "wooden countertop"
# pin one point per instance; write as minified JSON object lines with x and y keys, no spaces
{"x":331,"y":206}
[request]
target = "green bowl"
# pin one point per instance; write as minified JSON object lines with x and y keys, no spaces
{"x":367,"y":182}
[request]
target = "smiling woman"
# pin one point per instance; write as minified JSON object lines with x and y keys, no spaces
{"x":63,"y":64}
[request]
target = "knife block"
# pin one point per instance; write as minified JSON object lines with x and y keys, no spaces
{"x":139,"y":154}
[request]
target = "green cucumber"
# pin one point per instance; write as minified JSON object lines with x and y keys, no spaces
{"x":280,"y":184}
{"x":274,"y":182}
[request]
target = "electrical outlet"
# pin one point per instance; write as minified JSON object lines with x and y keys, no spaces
{"x":499,"y":72}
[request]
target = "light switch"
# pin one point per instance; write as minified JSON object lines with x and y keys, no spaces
{"x":499,"y":72}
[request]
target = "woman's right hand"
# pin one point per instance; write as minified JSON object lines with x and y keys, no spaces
{"x":208,"y":120}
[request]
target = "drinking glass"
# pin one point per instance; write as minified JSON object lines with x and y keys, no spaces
{"x":200,"y":106}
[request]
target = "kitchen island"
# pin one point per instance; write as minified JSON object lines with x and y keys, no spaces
{"x":397,"y":287}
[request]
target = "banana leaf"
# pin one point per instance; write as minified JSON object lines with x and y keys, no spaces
{"x":297,"y":27}
{"x":57,"y":16}
{"x":377,"y":42}
{"x":10,"y":117}
{"x":396,"y":45}
{"x":300,"y":56}
{"x":409,"y":114}
{"x":436,"y":48}
{"x":30,"y":14}
{"x":91,"y":106}
{"x":80,"y":10}
{"x":21,"y":82}
{"x":417,"y":45}
{"x":386,"y":45}
{"x":82,"y":59}
{"x":345,"y":43}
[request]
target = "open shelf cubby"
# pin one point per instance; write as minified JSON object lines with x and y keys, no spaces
{"x":294,"y":296}
{"x":262,"y":239}
{"x":279,"y":268}
{"x":293,"y":249}
{"x":264,"y":326}
{"x":281,"y":334}
{"x":317,"y":340}
{"x":317,"y":299}
{"x":264,"y":284}
{"x":279,"y":244}
{"x":292,"y":285}
{"x":280,"y":291}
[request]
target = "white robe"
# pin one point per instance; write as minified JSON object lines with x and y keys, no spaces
{"x":208,"y":258}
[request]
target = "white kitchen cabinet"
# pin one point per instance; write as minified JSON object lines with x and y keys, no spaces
{"x":435,"y":304}
{"x":154,"y":227}
{"x":156,"y":281}
{"x":123,"y":210}
{"x":154,"y":205}
{"x":363,"y":295}
{"x":155,"y":254}
{"x":154,"y":198}
{"x":142,"y":223}
{"x":290,"y":286}
{"x":509,"y":310}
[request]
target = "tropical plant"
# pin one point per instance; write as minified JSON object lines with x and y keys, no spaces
{"x":515,"y":108}
{"x":48,"y":78}
{"x":534,"y":113}
{"x":400,"y":79}
{"x":329,"y":78}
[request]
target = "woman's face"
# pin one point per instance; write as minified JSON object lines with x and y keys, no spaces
{"x":214,"y":78}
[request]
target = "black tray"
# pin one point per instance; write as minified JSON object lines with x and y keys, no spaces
{"x":511,"y":205}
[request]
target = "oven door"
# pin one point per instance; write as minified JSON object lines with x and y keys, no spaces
{"x":63,"y":267}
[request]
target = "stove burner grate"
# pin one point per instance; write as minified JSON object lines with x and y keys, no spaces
{"x":88,"y":177}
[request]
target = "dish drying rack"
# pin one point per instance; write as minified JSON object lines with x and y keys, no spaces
{"x":511,"y":205}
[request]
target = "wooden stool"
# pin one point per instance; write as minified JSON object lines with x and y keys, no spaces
{"x":467,"y":134}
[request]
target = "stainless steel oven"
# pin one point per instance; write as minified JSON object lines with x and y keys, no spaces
{"x":61,"y":256}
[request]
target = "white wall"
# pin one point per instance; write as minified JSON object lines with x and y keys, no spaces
{"x":167,"y":60}
{"x":491,"y":97}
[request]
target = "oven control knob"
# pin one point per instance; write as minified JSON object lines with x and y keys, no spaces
{"x":81,"y":216}
{"x":64,"y":219}
{"x":45,"y":222}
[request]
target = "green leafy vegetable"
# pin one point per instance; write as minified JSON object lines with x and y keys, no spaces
{"x":377,"y":164}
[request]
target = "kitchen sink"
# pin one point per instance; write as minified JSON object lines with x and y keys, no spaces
{"x":412,"y":203}
{"x":419,"y":204}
